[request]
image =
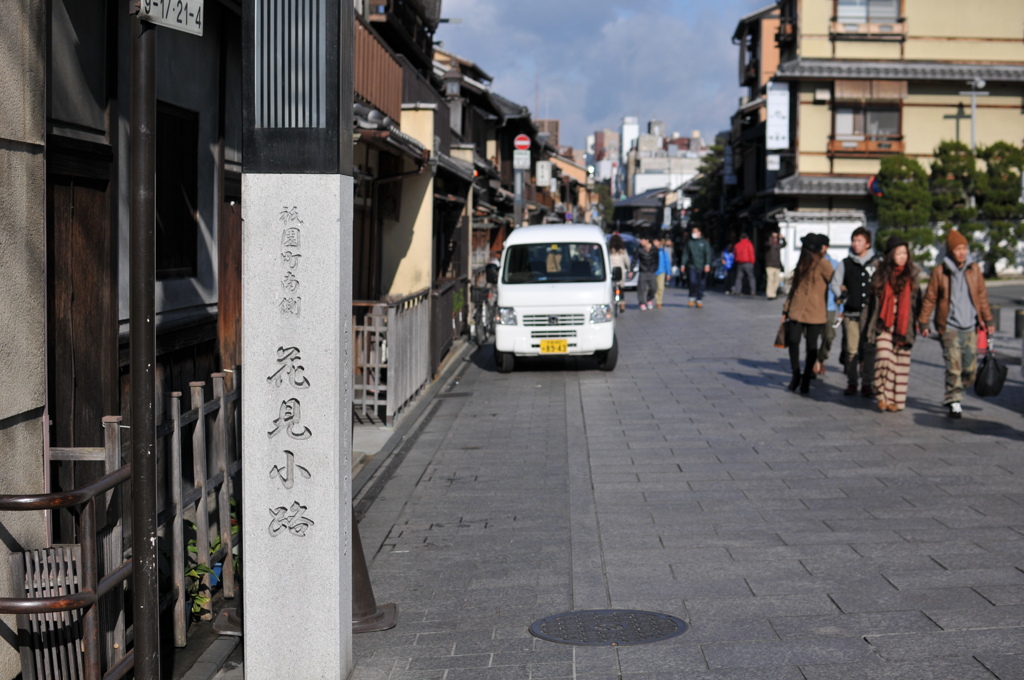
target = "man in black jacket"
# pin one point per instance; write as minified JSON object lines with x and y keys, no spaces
{"x":851,"y":285}
{"x":648,"y":257}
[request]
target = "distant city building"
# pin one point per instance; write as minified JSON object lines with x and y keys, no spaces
{"x":630,"y":131}
{"x":551,"y":127}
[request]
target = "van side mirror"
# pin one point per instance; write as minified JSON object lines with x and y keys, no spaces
{"x":616,"y":274}
{"x":491,"y":272}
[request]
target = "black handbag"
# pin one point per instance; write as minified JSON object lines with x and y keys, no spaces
{"x":991,"y":376}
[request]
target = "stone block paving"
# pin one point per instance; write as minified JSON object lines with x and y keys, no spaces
{"x":801,"y":537}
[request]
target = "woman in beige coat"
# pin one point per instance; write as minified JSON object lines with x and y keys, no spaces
{"x":805,"y":311}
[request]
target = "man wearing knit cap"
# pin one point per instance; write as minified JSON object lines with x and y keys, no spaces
{"x":956,"y":292}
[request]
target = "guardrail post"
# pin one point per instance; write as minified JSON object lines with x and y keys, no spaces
{"x":112,"y":546}
{"x":177,"y":522}
{"x":199,"y":472}
{"x":220,"y":453}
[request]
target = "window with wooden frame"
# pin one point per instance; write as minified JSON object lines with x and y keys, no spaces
{"x":867,"y":118}
{"x":177,"y":189}
{"x":859,"y":19}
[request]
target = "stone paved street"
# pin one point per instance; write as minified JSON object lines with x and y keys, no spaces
{"x":801,"y":537}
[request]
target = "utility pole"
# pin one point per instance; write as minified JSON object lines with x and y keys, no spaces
{"x":975,"y":92}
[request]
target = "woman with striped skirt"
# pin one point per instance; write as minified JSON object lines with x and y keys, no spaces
{"x":892,"y":323}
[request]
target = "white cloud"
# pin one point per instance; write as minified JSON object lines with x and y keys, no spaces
{"x":600,"y":60}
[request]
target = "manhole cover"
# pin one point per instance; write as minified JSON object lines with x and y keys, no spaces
{"x":608,"y":627}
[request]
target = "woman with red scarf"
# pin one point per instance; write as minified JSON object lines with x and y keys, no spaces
{"x":892,"y":323}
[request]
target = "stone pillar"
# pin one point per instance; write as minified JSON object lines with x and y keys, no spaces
{"x":297,"y":203}
{"x":296,"y":436}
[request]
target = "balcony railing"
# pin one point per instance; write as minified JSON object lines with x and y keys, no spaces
{"x":378,"y":74}
{"x":867,"y":147}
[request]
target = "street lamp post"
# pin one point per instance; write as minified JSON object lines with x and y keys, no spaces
{"x":975,"y":92}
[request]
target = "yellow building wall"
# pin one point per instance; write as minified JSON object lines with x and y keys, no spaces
{"x":407,"y":251}
{"x":855,"y":166}
{"x":815,"y":47}
{"x":815,"y":16}
{"x":813,"y":164}
{"x":867,"y":49}
{"x":972,"y":19}
{"x":815,"y":122}
{"x":965,"y":50}
{"x":932,"y":113}
{"x":814,"y":20}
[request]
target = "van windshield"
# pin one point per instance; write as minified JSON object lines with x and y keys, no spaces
{"x":554,"y":263}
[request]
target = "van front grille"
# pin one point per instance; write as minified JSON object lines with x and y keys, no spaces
{"x":552,"y":334}
{"x":554,"y":319}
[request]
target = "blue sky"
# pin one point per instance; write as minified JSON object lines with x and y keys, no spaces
{"x":600,"y":60}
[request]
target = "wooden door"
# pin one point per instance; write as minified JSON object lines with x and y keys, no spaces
{"x":82,"y":315}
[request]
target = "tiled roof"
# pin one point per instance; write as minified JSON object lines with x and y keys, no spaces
{"x":457,"y":167}
{"x":898,"y":70}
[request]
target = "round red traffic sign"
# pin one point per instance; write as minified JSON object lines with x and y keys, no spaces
{"x":521,"y":142}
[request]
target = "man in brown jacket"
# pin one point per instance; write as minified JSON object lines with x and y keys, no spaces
{"x":957,"y":294}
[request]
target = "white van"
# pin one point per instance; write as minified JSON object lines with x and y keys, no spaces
{"x":555,"y":296}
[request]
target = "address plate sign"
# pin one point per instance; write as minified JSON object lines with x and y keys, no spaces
{"x":181,"y":15}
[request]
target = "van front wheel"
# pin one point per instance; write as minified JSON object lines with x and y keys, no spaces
{"x":506,"y":361}
{"x":606,"y":360}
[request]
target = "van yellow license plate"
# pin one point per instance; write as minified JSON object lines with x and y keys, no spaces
{"x":554,"y":346}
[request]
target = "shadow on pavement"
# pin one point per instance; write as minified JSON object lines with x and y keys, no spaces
{"x":969,"y":423}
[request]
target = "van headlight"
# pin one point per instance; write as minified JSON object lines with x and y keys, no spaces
{"x":601,"y":314}
{"x":506,"y":316}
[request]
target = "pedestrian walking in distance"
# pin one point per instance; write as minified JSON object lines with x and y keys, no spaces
{"x":957,"y":294}
{"x":773,"y":264}
{"x":891,"y":323}
{"x":649,"y":260}
{"x":804,"y":310}
{"x":664,"y":272}
{"x":696,"y":263}
{"x":744,"y":251}
{"x":851,"y":284}
{"x":618,"y":256}
{"x":828,"y":335}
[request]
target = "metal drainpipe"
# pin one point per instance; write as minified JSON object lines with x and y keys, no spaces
{"x":142,"y":343}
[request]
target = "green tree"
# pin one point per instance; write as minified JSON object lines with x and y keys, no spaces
{"x":904,"y":206}
{"x":953,"y":183}
{"x":707,"y":201}
{"x":606,"y":202}
{"x":999,"y":193}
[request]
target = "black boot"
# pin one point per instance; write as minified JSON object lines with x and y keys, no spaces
{"x":805,"y":381}
{"x":795,"y":383}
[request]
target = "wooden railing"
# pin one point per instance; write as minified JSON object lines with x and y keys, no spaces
{"x":98,"y":593}
{"x":391,"y":356}
{"x":194,"y":502}
{"x":877,"y":146}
